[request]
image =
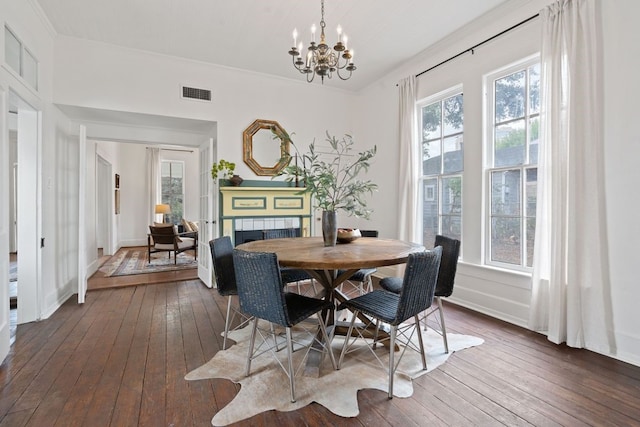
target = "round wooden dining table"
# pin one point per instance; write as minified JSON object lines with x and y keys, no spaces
{"x":323,"y":262}
{"x":332,"y":265}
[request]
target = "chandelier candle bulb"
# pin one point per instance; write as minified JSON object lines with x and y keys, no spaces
{"x":313,"y":33}
{"x":295,"y":37}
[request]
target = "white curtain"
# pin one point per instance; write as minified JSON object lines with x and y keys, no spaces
{"x":153,"y":182}
{"x":570,"y":283}
{"x":408,"y":218}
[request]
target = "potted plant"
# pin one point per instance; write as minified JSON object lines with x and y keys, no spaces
{"x":226,"y":169}
{"x":332,"y":179}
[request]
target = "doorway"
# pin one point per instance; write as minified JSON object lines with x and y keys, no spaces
{"x":23,"y":125}
{"x":103,"y":207}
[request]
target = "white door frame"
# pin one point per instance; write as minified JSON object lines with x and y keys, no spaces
{"x":104,"y":204}
{"x":30,"y":239}
{"x":4,"y":227}
{"x":208,"y":210}
{"x":82,"y":215}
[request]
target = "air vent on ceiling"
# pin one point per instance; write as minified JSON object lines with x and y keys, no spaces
{"x":195,"y":93}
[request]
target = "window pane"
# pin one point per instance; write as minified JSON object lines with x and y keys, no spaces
{"x":509,"y":144}
{"x":431,"y":157}
{"x":165,"y":169}
{"x":534,"y":89}
{"x":532,"y":191}
{"x":452,"y":207}
{"x":451,"y":195}
{"x":12,"y":50}
{"x":453,"y":115}
{"x":510,"y":97}
{"x":505,"y":193}
{"x":453,"y":154}
{"x":534,"y":138}
{"x":177,"y":170}
{"x":532,"y":195}
{"x":172,"y":189}
{"x":505,"y":240}
{"x":30,"y":69}
{"x":430,"y":210}
{"x":531,"y":234}
{"x":431,"y":118}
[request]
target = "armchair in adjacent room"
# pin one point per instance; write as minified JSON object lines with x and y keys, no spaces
{"x":167,"y":239}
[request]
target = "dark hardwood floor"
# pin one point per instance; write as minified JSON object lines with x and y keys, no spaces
{"x":120,"y":360}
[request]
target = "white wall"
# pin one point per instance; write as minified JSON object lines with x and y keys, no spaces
{"x":57,"y":183}
{"x":137,"y":81}
{"x":500,"y":293}
{"x":622,"y":150}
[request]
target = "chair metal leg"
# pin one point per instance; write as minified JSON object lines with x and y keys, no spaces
{"x":346,"y":338}
{"x":392,"y":344}
{"x":290,"y":364}
{"x":226,"y":323}
{"x":251,"y":344}
{"x":442,"y":325}
{"x":422,"y":355}
{"x":327,"y":341}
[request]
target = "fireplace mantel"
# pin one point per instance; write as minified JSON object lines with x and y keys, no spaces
{"x":258,"y":207}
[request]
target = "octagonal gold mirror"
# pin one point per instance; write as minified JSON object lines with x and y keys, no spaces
{"x":265,"y":147}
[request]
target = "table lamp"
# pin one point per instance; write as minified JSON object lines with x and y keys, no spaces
{"x":163,"y":209}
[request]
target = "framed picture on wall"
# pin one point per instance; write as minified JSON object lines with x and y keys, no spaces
{"x":117,"y":201}
{"x":117,"y":181}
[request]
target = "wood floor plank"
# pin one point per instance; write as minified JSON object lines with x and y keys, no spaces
{"x":120,"y":359}
{"x":153,"y":400}
{"x":178,"y":405}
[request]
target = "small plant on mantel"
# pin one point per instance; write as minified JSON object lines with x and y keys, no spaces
{"x":331,"y":177}
{"x":224,"y":167}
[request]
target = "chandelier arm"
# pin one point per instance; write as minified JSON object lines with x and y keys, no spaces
{"x":313,"y":75}
{"x":343,"y":78}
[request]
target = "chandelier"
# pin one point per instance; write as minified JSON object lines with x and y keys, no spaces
{"x":320,"y":58}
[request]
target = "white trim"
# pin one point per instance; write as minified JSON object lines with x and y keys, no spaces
{"x":488,"y":162}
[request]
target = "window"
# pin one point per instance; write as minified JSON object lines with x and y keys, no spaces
{"x":512,"y":164}
{"x":441,"y":132}
{"x":18,"y":57}
{"x":172,"y":176}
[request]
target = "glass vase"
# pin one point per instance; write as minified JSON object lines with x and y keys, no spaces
{"x":329,"y":228}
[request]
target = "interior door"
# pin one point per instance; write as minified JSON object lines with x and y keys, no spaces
{"x":82,"y":217}
{"x":207,"y":213}
{"x":4,"y":229}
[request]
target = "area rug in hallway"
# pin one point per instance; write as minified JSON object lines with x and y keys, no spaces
{"x":134,"y":261}
{"x":267,"y":387}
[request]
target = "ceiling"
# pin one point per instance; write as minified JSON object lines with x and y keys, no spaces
{"x":253,"y":35}
{"x":256,"y":34}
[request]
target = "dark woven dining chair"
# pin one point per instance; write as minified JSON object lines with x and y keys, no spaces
{"x":262,"y":296}
{"x":361,"y":279}
{"x":222,"y":256}
{"x":419,"y":285}
{"x":444,"y":287}
{"x":290,"y":275}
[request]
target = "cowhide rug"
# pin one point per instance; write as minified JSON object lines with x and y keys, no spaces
{"x":268,"y":386}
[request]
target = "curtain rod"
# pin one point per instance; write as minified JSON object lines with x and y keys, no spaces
{"x":172,"y":149}
{"x":471,"y":49}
